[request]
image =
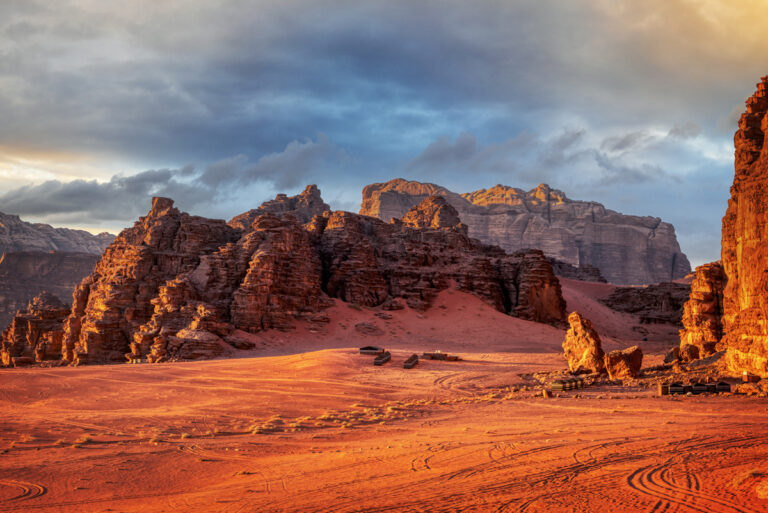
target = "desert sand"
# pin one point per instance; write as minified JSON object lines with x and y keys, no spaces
{"x":304,"y":423}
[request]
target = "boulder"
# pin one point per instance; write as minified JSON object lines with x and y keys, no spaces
{"x":689,"y":353}
{"x":624,"y":364}
{"x":582,"y":347}
{"x":672,"y":355}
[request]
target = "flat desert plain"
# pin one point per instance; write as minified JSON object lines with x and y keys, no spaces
{"x":304,"y":423}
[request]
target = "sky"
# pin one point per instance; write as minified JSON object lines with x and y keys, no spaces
{"x":221,"y":105}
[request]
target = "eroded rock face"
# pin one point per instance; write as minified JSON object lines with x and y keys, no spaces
{"x":624,"y":364}
{"x":303,"y":207}
{"x":582,"y":347}
{"x":36,"y":333}
{"x":584,"y":272}
{"x":178,"y":286}
{"x":745,"y":244}
{"x":116,"y":300}
{"x":626,"y":249}
{"x":702,"y":316}
{"x":19,"y":236}
{"x":434,"y":212}
{"x":660,"y":303}
{"x":26,"y":274}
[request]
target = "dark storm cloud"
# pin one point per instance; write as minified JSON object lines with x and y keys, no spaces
{"x":441,"y":89}
{"x":126,"y":197}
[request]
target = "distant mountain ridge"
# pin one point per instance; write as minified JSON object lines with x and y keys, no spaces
{"x":628,"y":250}
{"x":17,"y":235}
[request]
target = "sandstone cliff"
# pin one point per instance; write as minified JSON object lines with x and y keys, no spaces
{"x":35,"y":334}
{"x":26,"y":274}
{"x":303,"y":206}
{"x":17,"y":235}
{"x":702,"y":316}
{"x":626,"y":249}
{"x":178,"y":286}
{"x":35,"y":257}
{"x":745,"y":243}
{"x":660,"y":303}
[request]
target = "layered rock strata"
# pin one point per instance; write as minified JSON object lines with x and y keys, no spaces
{"x":583,"y":272}
{"x":303,"y":206}
{"x":36,"y":333}
{"x":178,"y":286}
{"x":582,"y":347}
{"x":745,"y":243}
{"x":24,"y":275}
{"x":626,"y":249}
{"x":35,"y":257}
{"x":702,"y":315}
{"x":17,"y":235}
{"x":660,"y":303}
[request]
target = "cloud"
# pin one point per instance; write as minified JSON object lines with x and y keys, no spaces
{"x":126,"y":197}
{"x":446,"y":90}
{"x":688,"y":130}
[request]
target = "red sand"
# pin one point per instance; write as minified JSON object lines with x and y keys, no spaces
{"x":325,"y":430}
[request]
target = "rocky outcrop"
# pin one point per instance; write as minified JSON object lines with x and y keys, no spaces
{"x":178,"y":286}
{"x":624,"y":364}
{"x":584,"y":272}
{"x":582,"y":347}
{"x":303,"y":207}
{"x":36,"y":333}
{"x":702,"y":316}
{"x":17,"y":235}
{"x":26,"y":274}
{"x":38,"y":257}
{"x":434,"y":212}
{"x":626,"y":249}
{"x":660,"y":303}
{"x":745,"y":244}
{"x":117,"y":299}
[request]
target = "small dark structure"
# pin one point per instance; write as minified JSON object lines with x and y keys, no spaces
{"x":663,"y":389}
{"x":439,"y":355}
{"x":712,"y":388}
{"x":382,"y":358}
{"x":411,"y":362}
{"x":749,"y":378}
{"x":373,"y":350}
{"x":676,"y":388}
{"x":567,"y":384}
{"x":723,"y":387}
{"x":699,"y":388}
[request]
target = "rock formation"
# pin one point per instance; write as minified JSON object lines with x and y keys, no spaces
{"x":582,"y":347}
{"x":624,"y":364}
{"x":303,"y":206}
{"x":17,"y":235}
{"x":434,"y":212}
{"x":584,"y":272}
{"x":35,"y":334}
{"x":661,"y":303}
{"x":702,"y":316}
{"x":178,"y":286}
{"x":24,"y":275}
{"x":626,"y":249}
{"x":35,"y":257}
{"x":745,"y":243}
